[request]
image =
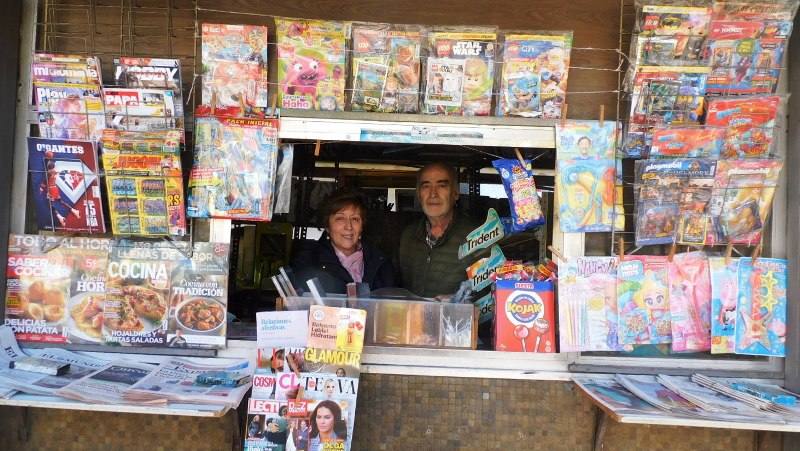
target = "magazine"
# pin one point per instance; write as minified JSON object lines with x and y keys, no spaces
{"x":742,"y":200}
{"x":749,"y":125}
{"x":267,"y":426}
{"x":669,"y":50}
{"x":108,"y":384}
{"x":311,"y":64}
{"x":587,"y":307}
{"x":235,"y":70}
{"x":72,"y":69}
{"x":643,"y":300}
{"x":724,"y":297}
{"x":160,"y":73}
{"x":279,"y":329}
{"x":687,"y":142}
{"x":672,"y":20}
{"x":652,"y":391}
{"x":690,"y":302}
{"x":235,"y":162}
{"x":460,"y":72}
{"x":340,"y":329}
{"x":44,"y":384}
{"x":65,"y":185}
{"x":10,"y":352}
{"x":534,"y":76}
{"x":141,"y":109}
{"x":604,"y":389}
{"x":166,"y":142}
{"x":761,"y":322}
{"x":69,"y":111}
{"x":525,"y":319}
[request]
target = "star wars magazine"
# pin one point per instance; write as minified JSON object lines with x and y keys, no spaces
{"x":311,"y":64}
{"x":235,"y":71}
{"x":533,"y":81}
{"x":65,"y":185}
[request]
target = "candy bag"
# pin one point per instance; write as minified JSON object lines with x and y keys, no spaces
{"x":526,"y":211}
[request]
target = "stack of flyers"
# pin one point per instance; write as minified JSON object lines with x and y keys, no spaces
{"x":587,"y":176}
{"x":670,"y":35}
{"x":724,"y":297}
{"x":587,"y":307}
{"x":749,"y":125}
{"x":69,"y":111}
{"x":534,"y":76}
{"x":761,"y":325}
{"x":235,"y":162}
{"x":311,"y":64}
{"x":72,"y":69}
{"x":235,"y":71}
{"x":65,"y":185}
{"x":672,"y":200}
{"x":741,"y":200}
{"x":689,"y":302}
{"x":643,"y":300}
{"x":159,"y":73}
{"x":460,"y":72}
{"x":145,"y":189}
{"x":687,"y":142}
{"x":386,"y":68}
{"x":141,"y":109}
{"x":137,"y":293}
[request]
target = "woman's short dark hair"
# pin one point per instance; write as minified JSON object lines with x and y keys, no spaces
{"x":339,"y":427}
{"x":338,"y":201}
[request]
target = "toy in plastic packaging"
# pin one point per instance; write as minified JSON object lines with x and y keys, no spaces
{"x":643,"y":300}
{"x":235,"y":162}
{"x":672,"y":20}
{"x":761,"y":324}
{"x":749,"y":125}
{"x":459,"y":74}
{"x":586,"y":178}
{"x":235,"y":71}
{"x":311,"y":64}
{"x":724,"y":297}
{"x":533,"y":81}
{"x":524,"y":319}
{"x":690,"y":302}
{"x":69,"y":111}
{"x":687,"y":142}
{"x":386,"y":67}
{"x":526,"y":210}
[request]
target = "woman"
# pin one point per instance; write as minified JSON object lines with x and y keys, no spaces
{"x":300,"y":435}
{"x":340,"y":257}
{"x":326,"y":425}
{"x":254,"y":429}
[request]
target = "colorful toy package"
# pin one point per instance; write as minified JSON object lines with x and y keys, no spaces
{"x":749,"y":125}
{"x":690,"y":302}
{"x":742,"y":200}
{"x":460,"y":72}
{"x":235,"y":162}
{"x":65,"y":185}
{"x":69,"y":111}
{"x":72,"y":69}
{"x":587,"y":176}
{"x":235,"y":71}
{"x":643,"y":300}
{"x":534,"y":77}
{"x":761,"y":325}
{"x":672,"y":200}
{"x":587,"y":304}
{"x":525,"y":316}
{"x":311,"y":64}
{"x":386,"y":67}
{"x":141,"y":109}
{"x":526,"y":210}
{"x":163,"y":73}
{"x":670,"y":35}
{"x":724,"y":294}
{"x":687,"y":142}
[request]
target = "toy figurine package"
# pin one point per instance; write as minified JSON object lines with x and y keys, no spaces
{"x":69,"y":111}
{"x":689,"y":302}
{"x":533,"y":82}
{"x":741,"y":200}
{"x":72,"y":69}
{"x":65,"y":185}
{"x":749,"y":125}
{"x":235,"y":68}
{"x":670,"y":194}
{"x":386,"y":67}
{"x":670,"y":35}
{"x":587,"y":304}
{"x":524,"y":319}
{"x":687,"y":142}
{"x":761,"y":321}
{"x":460,"y":72}
{"x":311,"y":64}
{"x":724,"y":296}
{"x":587,"y":176}
{"x":526,"y":210}
{"x":643,"y":300}
{"x":141,"y":109}
{"x":235,"y":163}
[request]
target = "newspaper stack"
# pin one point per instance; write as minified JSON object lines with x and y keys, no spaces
{"x":174,"y":380}
{"x":45,"y":384}
{"x":11,"y":352}
{"x":652,"y":391}
{"x":722,"y":386}
{"x":108,"y":384}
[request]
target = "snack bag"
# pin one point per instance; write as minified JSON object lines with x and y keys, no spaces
{"x":526,"y":211}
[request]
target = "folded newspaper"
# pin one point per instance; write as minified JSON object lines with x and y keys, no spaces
{"x":108,"y":384}
{"x":44,"y":384}
{"x":174,"y":380}
{"x":11,"y":352}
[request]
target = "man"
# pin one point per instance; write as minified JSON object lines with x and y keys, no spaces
{"x":428,"y":254}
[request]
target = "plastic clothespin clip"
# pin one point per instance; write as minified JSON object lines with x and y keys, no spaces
{"x":564,"y":109}
{"x":317,"y":148}
{"x":728,"y":253}
{"x":557,"y":253}
{"x":621,"y":248}
{"x":602,"y":115}
{"x":756,"y":253}
{"x":672,"y":251}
